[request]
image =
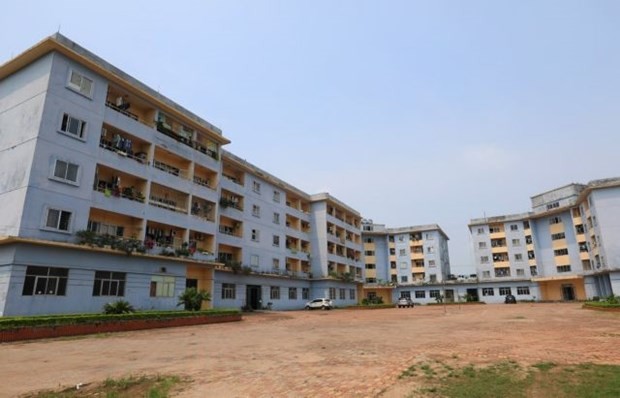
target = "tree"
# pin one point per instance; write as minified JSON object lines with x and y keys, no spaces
{"x":192,"y":299}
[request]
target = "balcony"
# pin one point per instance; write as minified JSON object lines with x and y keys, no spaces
{"x":168,"y":199}
{"x":161,"y":235}
{"x":115,"y":183}
{"x":170,"y":163}
{"x":205,"y":177}
{"x":232,"y":200}
{"x":203,"y":209}
{"x":186,"y":135}
{"x":104,"y":222}
{"x":124,"y":144}
{"x":203,"y":243}
{"x":230,"y":227}
{"x":130,"y":106}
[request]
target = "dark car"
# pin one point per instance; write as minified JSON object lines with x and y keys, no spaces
{"x":510,"y":299}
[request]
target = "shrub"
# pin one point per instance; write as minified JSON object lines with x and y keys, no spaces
{"x":118,"y":307}
{"x":192,"y":299}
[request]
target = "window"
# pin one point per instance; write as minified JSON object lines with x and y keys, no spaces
{"x":563,"y":268}
{"x":516,"y":242}
{"x":254,"y":260}
{"x":429,"y":236}
{"x":520,"y":272}
{"x":109,"y":284}
{"x":420,"y":294}
{"x":276,"y":240}
{"x":402,"y":252}
{"x":403,"y":265}
{"x":370,"y":266}
{"x":488,"y":291}
{"x":73,"y":126}
{"x":256,"y":211}
{"x":276,"y":218}
{"x":484,"y":259}
{"x":305,"y":293}
{"x":45,"y":281}
{"x":292,"y":293}
{"x":162,"y":286}
{"x":371,"y":280}
{"x":434,"y":294}
{"x":523,"y":290}
{"x":274,"y":292}
{"x":504,"y":291}
{"x":368,"y":240}
{"x":431,"y":263}
{"x":255,"y":235}
{"x":369,"y":253}
{"x":531,"y":255}
{"x":405,"y":294}
{"x":480,"y":231}
{"x":432,"y":278}
{"x":332,"y":293}
{"x":486,"y":274}
{"x":533,"y":271}
{"x":502,"y":272}
{"x":66,"y":171}
{"x":526,"y":225}
{"x":528,"y":239}
{"x":558,"y":236}
{"x":342,"y":294}
{"x":518,"y":257}
{"x":351,"y":294}
{"x":58,"y":219}
{"x":80,"y":83}
{"x":403,"y":278}
{"x":276,"y":196}
{"x":430,"y":249}
{"x":393,"y":264}
{"x":514,"y":227}
{"x":392,"y":251}
{"x":555,"y":220}
{"x":494,"y":230}
{"x":560,"y":252}
{"x":256,"y":186}
{"x":228,"y":291}
{"x":482,"y":245}
{"x":275,"y":263}
{"x":553,"y":205}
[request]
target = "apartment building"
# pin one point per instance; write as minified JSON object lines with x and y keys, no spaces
{"x":397,"y":259}
{"x":87,"y":150}
{"x":566,"y":246}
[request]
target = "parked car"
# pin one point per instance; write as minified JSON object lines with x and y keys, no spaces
{"x":510,"y":299}
{"x":404,"y":302}
{"x":322,"y":303}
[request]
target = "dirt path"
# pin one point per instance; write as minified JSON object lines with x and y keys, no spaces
{"x":334,"y":353}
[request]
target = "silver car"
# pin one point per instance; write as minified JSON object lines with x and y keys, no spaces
{"x":322,"y":303}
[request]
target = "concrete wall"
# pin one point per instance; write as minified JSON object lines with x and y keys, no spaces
{"x":22,"y":98}
{"x":606,"y":207}
{"x":82,"y":266}
{"x":460,"y":291}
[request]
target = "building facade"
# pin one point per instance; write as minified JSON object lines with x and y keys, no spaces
{"x":87,"y":150}
{"x":567,"y":244}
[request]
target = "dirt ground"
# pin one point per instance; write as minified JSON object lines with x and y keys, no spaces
{"x":339,"y":353}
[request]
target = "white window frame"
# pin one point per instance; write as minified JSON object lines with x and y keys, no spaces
{"x":80,"y":86}
{"x":276,"y":240}
{"x":254,"y":260}
{"x":64,"y":179}
{"x":82,"y":127}
{"x":276,"y":218}
{"x":256,"y":186}
{"x":164,"y":285}
{"x":229,"y":291}
{"x":274,"y":292}
{"x":57,"y":227}
{"x":523,"y":290}
{"x":256,"y":211}
{"x":276,"y":196}
{"x":255,"y":235}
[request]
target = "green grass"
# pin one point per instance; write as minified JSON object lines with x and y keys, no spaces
{"x":511,"y":380}
{"x":126,"y":387}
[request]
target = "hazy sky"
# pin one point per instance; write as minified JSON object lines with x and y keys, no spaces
{"x":412,"y":112}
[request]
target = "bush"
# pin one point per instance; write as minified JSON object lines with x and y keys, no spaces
{"x":118,"y":307}
{"x":192,"y":299}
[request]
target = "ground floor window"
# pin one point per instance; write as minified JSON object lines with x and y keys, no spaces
{"x":434,"y":294}
{"x":523,"y":290}
{"x":332,"y":293}
{"x":229,"y":291}
{"x":292,"y":293}
{"x":274,"y":293}
{"x":189,"y":283}
{"x":305,"y":293}
{"x":343,"y":294}
{"x":50,"y":281}
{"x":371,"y":295}
{"x":109,"y":283}
{"x":162,"y":286}
{"x":420,"y":294}
{"x":488,"y":291}
{"x":405,"y":294}
{"x":352,"y":294}
{"x":504,"y":291}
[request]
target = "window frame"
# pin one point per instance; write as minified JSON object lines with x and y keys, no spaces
{"x":162,"y":286}
{"x":36,"y":275}
{"x":113,"y":281}
{"x":229,"y":291}
{"x":78,"y":87}
{"x":274,"y":292}
{"x":46,"y":220}
{"x":65,"y":122}
{"x":64,"y":179}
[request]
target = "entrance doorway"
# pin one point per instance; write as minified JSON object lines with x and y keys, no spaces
{"x":472,"y":295}
{"x":568,"y":292}
{"x":253,"y":297}
{"x":449,"y":295}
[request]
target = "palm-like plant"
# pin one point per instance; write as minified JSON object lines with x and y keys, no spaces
{"x":192,"y":299}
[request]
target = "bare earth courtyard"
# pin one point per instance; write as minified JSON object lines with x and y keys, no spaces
{"x":319,"y":353}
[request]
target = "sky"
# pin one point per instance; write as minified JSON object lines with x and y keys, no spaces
{"x":411,"y":112}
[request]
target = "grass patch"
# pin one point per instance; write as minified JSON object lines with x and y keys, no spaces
{"x":510,"y":380}
{"x":132,"y":386}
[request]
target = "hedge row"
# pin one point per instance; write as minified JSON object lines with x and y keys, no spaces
{"x":72,"y":319}
{"x":602,"y":304}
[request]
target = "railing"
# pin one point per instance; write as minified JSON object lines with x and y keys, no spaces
{"x":125,"y":193}
{"x":167,"y":204}
{"x":175,"y":171}
{"x":139,"y":157}
{"x":121,"y":110}
{"x":228,"y":231}
{"x":201,"y":181}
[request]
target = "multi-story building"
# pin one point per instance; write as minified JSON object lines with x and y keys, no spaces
{"x":567,"y":245}
{"x":398,"y":258}
{"x":86,"y":149}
